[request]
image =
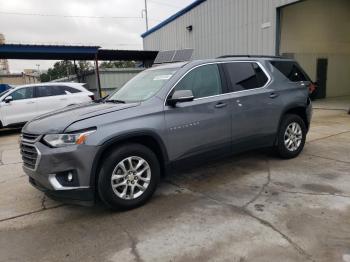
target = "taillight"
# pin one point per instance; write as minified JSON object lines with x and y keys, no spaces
{"x":92,"y":97}
{"x":312,"y":88}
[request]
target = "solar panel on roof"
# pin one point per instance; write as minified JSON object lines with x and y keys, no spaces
{"x":164,"y":57}
{"x":173,"y":56}
{"x":183,"y":55}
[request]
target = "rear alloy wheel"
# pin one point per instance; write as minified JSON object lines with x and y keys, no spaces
{"x":128,"y":177}
{"x":291,"y":136}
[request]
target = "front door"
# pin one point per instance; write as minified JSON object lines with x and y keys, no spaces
{"x":21,"y":109}
{"x":204,"y":124}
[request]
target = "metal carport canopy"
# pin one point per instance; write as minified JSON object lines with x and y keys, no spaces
{"x":67,"y":52}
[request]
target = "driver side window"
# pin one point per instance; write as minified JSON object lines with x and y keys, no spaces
{"x":23,"y":93}
{"x":203,"y":81}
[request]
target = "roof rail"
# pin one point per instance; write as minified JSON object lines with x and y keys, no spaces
{"x":257,"y":56}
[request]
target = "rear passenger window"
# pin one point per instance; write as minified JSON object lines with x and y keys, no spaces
{"x":203,"y":81}
{"x":245,"y":75}
{"x":260,"y":75}
{"x":44,"y":91}
{"x":291,"y":70}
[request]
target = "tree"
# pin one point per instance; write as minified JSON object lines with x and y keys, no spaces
{"x":118,"y":64}
{"x":65,"y":68}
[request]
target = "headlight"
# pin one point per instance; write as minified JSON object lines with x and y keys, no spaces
{"x":61,"y":140}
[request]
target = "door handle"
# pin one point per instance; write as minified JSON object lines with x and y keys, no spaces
{"x":63,"y":99}
{"x":220,"y":105}
{"x":273,"y":95}
{"x":30,"y":102}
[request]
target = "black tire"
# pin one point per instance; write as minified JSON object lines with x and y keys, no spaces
{"x":281,"y":149}
{"x":114,"y":157}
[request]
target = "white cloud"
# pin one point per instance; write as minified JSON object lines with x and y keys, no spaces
{"x":108,"y":32}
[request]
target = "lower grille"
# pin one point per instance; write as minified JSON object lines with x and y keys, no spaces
{"x":29,"y":155}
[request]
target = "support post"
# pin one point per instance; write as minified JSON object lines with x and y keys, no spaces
{"x":146,"y":15}
{"x":76,"y":71}
{"x":98,"y":81}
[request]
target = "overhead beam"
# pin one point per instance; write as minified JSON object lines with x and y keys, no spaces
{"x":52,"y":52}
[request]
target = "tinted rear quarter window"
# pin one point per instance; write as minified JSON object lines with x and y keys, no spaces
{"x":290,"y":70}
{"x":245,"y":75}
{"x":69,"y":89}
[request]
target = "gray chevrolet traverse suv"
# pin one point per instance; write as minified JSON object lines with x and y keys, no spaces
{"x":118,"y":148}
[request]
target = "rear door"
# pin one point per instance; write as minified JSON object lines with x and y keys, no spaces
{"x":50,"y":98}
{"x":74,"y":95}
{"x":21,"y":109}
{"x":203,"y":124}
{"x":255,"y":107}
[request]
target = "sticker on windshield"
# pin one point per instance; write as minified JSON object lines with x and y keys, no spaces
{"x":162,"y":77}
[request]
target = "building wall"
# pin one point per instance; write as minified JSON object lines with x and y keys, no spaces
{"x":222,"y":27}
{"x":18,"y":79}
{"x":4,"y":66}
{"x":320,"y":29}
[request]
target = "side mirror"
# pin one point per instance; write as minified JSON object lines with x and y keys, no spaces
{"x":180,"y":96}
{"x":8,"y":99}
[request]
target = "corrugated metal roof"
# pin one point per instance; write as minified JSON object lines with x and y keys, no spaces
{"x":173,"y":17}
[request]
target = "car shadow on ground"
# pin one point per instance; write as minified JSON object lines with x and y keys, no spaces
{"x":10,"y":131}
{"x":215,"y":172}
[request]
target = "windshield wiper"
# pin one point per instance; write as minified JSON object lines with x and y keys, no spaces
{"x":115,"y":101}
{"x":100,"y":100}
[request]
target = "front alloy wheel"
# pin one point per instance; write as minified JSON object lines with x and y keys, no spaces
{"x":131,"y":177}
{"x":128,"y":177}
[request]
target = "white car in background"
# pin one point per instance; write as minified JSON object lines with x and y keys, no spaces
{"x":22,"y":103}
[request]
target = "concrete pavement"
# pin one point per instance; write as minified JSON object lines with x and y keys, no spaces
{"x":251,"y":207}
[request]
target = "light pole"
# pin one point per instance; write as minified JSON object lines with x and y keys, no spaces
{"x":146,"y":14}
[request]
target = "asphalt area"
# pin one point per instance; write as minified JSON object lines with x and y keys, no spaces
{"x":250,"y":207}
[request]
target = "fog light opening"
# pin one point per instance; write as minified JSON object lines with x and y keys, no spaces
{"x":70,"y":177}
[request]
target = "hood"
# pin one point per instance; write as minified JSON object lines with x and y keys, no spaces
{"x":57,"y":121}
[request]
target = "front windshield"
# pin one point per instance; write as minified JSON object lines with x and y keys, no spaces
{"x":143,"y":86}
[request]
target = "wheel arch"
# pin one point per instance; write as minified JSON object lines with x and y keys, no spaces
{"x":297,"y":109}
{"x":146,"y":138}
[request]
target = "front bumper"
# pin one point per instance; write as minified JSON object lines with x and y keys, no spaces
{"x":52,"y":167}
{"x":79,"y":196}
